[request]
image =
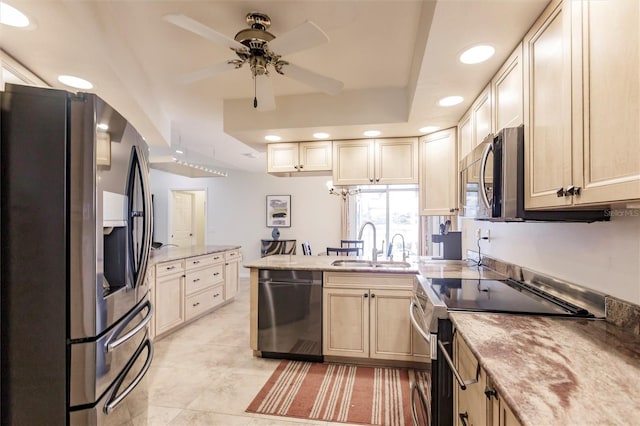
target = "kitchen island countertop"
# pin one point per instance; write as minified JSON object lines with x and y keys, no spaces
{"x":555,"y":370}
{"x":165,"y":254}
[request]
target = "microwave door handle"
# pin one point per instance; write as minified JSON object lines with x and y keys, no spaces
{"x":483,"y":187}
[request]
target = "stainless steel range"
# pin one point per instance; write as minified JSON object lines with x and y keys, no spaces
{"x":523,"y":292}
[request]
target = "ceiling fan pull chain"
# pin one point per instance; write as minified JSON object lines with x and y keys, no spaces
{"x":255,"y":97}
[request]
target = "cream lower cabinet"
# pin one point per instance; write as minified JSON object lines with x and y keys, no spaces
{"x":169,"y":296}
{"x":231,"y":273}
{"x":367,"y":316}
{"x":188,"y":288}
{"x":479,"y":404}
{"x":438,"y":174}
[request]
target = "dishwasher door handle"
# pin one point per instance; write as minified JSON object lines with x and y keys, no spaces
{"x":281,"y":282}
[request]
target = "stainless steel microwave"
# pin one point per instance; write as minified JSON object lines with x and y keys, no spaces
{"x":492,"y":183}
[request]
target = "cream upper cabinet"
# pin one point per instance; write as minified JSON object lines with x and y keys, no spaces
{"x":547,"y":107}
{"x":606,"y":101}
{"x":465,"y":136}
{"x":285,"y":158}
{"x":481,"y":123}
{"x":438,"y":173}
{"x":506,"y":88}
{"x":381,"y":161}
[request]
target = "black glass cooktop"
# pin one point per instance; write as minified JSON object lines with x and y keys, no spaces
{"x":499,"y":296}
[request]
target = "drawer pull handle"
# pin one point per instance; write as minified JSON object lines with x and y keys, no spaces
{"x":170,"y":267}
{"x":196,"y":280}
{"x":216,"y":295}
{"x":464,"y":417}
{"x":195,"y":262}
{"x":216,"y":258}
{"x":216,"y":274}
{"x":196,"y":304}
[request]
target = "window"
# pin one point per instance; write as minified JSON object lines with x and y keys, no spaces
{"x":393,"y":209}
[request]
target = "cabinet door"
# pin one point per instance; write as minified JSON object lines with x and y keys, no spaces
{"x":481,"y":112}
{"x":391,"y":328}
{"x":353,"y":162}
{"x":547,"y":102}
{"x":169,"y":307}
{"x":438,"y":173}
{"x":396,"y":161}
{"x":345,"y":329}
{"x":470,"y":404}
{"x":315,"y":156}
{"x":282,"y":157}
{"x":465,"y":136}
{"x":606,"y":90}
{"x":230,"y":279}
{"x":506,"y":87}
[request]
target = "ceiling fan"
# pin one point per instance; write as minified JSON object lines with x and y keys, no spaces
{"x":261,"y":50}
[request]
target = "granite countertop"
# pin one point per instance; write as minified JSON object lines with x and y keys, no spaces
{"x":556,"y":370}
{"x":170,"y":253}
{"x":427,"y":267}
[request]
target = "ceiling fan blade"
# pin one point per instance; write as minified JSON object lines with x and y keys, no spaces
{"x":203,"y":73}
{"x":325,"y":84}
{"x":264,"y":93}
{"x":202,"y":30}
{"x":305,"y":36}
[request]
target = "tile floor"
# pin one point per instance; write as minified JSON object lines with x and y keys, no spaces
{"x":206,"y":374}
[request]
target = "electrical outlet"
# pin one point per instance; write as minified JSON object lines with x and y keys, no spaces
{"x":478,"y":233}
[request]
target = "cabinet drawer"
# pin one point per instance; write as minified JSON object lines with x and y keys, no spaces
{"x":204,"y":278}
{"x":230,"y":256}
{"x":166,"y":268}
{"x":204,"y":300}
{"x":198,"y":262}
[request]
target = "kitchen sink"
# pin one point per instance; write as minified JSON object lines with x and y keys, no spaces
{"x":369,"y":264}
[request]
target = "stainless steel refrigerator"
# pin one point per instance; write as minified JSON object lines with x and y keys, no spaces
{"x":76,"y":233}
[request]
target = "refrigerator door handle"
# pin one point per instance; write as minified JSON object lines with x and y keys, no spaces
{"x":111,"y":345}
{"x":114,"y":399}
{"x":139,"y":166}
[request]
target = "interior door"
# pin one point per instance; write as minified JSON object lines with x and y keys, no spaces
{"x":182,"y":223}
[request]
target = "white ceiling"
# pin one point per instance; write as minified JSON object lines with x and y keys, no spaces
{"x":396,"y":59}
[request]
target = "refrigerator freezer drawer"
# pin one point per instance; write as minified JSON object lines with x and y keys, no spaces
{"x":96,"y":365}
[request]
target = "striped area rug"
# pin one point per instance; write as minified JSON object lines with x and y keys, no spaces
{"x":339,"y":393}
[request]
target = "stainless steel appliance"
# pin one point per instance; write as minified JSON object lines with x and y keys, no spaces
{"x":529,"y":294}
{"x":76,"y":233}
{"x":290,"y":314}
{"x":492,"y":183}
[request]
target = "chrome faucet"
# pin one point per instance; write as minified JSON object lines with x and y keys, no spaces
{"x":374,"y":250}
{"x":390,"y":252}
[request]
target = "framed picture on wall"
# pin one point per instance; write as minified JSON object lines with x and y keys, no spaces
{"x":278,"y":211}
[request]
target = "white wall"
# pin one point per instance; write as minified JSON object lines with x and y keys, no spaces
{"x":604,"y":256}
{"x":236,"y":211}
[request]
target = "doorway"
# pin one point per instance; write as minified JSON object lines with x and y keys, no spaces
{"x":188,"y":215}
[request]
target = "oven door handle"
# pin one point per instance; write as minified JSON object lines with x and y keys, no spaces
{"x":456,"y":374}
{"x":414,"y":320}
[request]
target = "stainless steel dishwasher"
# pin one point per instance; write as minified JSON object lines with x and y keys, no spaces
{"x":290,"y":314}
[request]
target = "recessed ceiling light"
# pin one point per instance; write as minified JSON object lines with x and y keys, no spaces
{"x":321,"y":135}
{"x":273,"y":138}
{"x":428,"y":129}
{"x":477,"y":54}
{"x":11,"y":16}
{"x":372,"y":133}
{"x":103,"y":126}
{"x":450,"y":100}
{"x":75,"y":82}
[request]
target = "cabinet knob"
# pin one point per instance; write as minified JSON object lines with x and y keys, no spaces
{"x":373,"y":295}
{"x":560,"y":193}
{"x":377,"y":180}
{"x":301,"y":166}
{"x":366,"y":295}
{"x":490,"y":393}
{"x":453,"y":209}
{"x":371,"y":180}
{"x":572,"y":190}
{"x":295,"y":167}
{"x":464,"y":417}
